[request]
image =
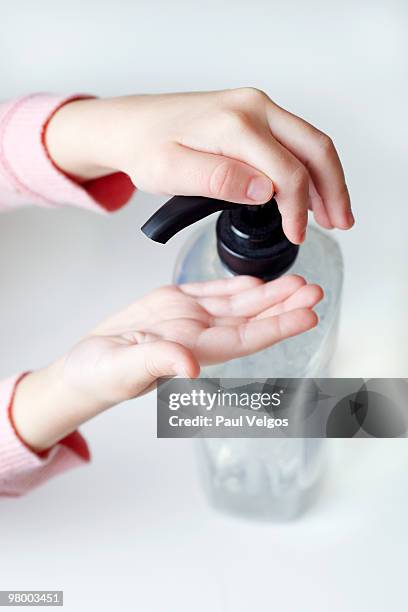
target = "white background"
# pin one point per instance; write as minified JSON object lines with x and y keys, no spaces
{"x":134,"y":524}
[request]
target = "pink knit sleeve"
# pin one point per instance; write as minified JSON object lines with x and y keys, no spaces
{"x":28,"y":175}
{"x":21,"y":469}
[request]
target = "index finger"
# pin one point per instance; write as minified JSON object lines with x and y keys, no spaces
{"x":220,"y":286}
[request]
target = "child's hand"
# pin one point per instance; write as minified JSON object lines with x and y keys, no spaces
{"x":235,"y":145}
{"x":169,"y":332}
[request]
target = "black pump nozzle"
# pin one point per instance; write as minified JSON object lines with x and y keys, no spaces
{"x":250,"y":239}
{"x":178,"y":213}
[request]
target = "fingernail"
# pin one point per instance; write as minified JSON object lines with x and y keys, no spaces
{"x":259,"y":189}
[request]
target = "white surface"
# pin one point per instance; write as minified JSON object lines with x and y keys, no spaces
{"x":134,"y":524}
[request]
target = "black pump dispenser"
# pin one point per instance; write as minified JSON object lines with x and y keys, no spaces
{"x":250,"y":239}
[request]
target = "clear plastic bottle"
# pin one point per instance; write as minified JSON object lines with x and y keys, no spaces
{"x":259,"y":477}
{"x":276,"y":477}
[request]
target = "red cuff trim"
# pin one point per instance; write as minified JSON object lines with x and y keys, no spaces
{"x":111,"y":191}
{"x":77,"y":444}
{"x":73,"y":441}
{"x":10,"y":415}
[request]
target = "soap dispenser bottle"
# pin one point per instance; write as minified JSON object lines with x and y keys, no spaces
{"x":259,"y":477}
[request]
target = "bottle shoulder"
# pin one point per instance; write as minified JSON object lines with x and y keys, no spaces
{"x":319,"y":259}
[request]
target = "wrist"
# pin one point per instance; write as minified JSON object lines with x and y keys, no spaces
{"x":45,"y":410}
{"x":77,"y":139}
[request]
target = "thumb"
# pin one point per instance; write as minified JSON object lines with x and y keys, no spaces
{"x":190,"y":172}
{"x":142,"y":364}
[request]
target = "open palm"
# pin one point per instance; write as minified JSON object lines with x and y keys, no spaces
{"x":175,"y":329}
